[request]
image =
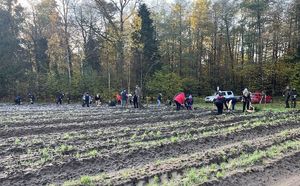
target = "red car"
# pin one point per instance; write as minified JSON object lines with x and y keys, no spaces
{"x":256,"y":98}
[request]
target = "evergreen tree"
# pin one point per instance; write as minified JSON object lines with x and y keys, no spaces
{"x":298,"y":26}
{"x":147,"y":34}
{"x":92,"y":55}
{"x":12,"y":58}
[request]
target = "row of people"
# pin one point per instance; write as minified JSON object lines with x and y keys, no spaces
{"x":229,"y":103}
{"x":87,"y":100}
{"x":290,"y":95}
{"x":220,"y":101}
{"x":180,"y":99}
{"x":124,"y":97}
{"x":31,"y":97}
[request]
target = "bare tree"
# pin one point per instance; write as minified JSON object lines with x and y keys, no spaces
{"x":119,"y":7}
{"x":64,"y":11}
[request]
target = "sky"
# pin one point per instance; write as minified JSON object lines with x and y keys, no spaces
{"x":26,"y":4}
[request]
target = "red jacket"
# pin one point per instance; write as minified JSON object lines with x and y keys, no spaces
{"x":180,"y":98}
{"x":118,"y":97}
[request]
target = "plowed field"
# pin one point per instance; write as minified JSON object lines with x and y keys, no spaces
{"x":71,"y":145}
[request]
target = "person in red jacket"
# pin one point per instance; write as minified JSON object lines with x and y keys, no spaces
{"x":179,"y":99}
{"x":118,"y":98}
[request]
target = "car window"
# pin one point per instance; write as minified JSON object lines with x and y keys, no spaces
{"x":229,"y":93}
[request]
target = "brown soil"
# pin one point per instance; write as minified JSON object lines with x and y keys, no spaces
{"x":25,"y":131}
{"x":285,"y":172}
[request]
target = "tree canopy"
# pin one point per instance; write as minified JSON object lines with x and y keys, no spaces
{"x":103,"y":46}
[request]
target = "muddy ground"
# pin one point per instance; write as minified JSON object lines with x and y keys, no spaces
{"x":50,"y":144}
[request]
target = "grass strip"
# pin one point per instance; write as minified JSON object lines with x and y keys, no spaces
{"x":218,"y":171}
{"x":205,"y":173}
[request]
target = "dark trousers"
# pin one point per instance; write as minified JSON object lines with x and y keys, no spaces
{"x":135,"y":102}
{"x":287,"y":105}
{"x":293,"y":103}
{"x":59,"y":101}
{"x":219,"y":107}
{"x":178,"y":105}
{"x":188,"y":107}
{"x":87,"y":103}
{"x":226,"y":106}
{"x":233,"y":105}
{"x":246,"y":104}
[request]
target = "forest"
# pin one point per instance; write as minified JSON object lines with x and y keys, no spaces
{"x":104,"y":46}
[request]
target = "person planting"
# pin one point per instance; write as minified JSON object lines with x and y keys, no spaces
{"x":293,"y":98}
{"x":231,"y":103}
{"x":189,"y":102}
{"x":219,"y":102}
{"x":179,"y":100}
{"x":246,"y":99}
{"x":287,"y":95}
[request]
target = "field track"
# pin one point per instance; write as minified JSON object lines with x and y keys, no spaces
{"x":49,"y":144}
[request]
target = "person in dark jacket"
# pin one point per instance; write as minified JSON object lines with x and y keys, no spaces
{"x":112,"y":103}
{"x":31,"y":98}
{"x":135,"y":101}
{"x":287,"y":95}
{"x":219,"y":102}
{"x":159,"y":98}
{"x":59,"y":98}
{"x":293,"y":98}
{"x":246,"y":99}
{"x":18,"y":100}
{"x":86,"y":100}
{"x":124,"y":98}
{"x":189,"y":102}
{"x":69,"y":98}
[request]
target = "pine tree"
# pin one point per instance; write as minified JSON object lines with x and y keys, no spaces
{"x":147,"y":33}
{"x":12,"y":55}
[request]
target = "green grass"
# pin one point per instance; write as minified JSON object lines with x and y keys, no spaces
{"x":200,"y":176}
{"x":218,"y":170}
{"x":219,"y":131}
{"x":63,"y":148}
{"x":86,"y":180}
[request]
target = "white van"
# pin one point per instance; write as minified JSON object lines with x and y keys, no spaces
{"x":227,"y":94}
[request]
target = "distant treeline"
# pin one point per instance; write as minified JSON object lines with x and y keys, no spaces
{"x":103,"y":46}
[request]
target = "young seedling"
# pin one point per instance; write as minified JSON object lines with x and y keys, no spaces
{"x":67,"y":136}
{"x":63,"y":148}
{"x":17,"y":141}
{"x":174,"y":139}
{"x":220,"y":174}
{"x":93,"y":153}
{"x":133,"y":136}
{"x":86,"y":180}
{"x":158,"y":133}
